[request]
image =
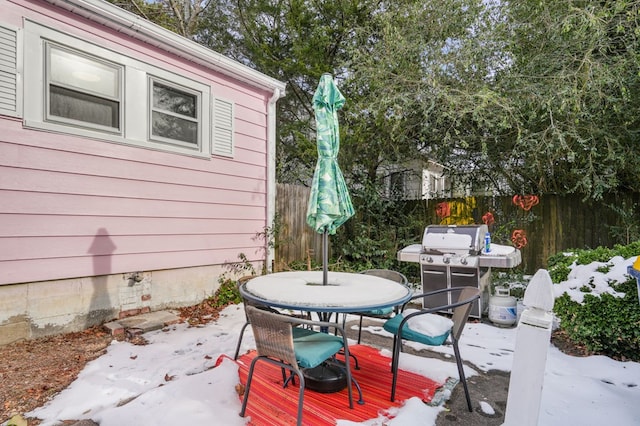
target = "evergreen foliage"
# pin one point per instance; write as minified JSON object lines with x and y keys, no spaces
{"x":559,"y":265}
{"x":604,"y":324}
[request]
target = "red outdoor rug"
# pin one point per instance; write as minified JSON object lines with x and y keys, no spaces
{"x":271,"y":404}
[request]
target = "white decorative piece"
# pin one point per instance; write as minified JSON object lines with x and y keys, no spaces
{"x":539,"y":293}
{"x":530,"y":356}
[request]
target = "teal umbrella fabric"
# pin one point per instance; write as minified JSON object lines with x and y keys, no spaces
{"x":329,"y":203}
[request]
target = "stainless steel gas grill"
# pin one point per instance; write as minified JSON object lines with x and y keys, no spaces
{"x":455,"y":256}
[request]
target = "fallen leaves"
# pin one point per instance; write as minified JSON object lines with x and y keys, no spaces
{"x":240,"y":389}
{"x":200,"y":314}
{"x":33,"y":371}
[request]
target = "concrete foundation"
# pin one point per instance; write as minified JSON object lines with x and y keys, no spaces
{"x":38,"y":309}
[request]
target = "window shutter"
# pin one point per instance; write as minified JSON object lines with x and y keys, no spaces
{"x":222,"y":127}
{"x":8,"y":72}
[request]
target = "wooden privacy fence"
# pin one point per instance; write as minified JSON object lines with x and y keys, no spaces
{"x":554,"y":224}
{"x":296,"y":240}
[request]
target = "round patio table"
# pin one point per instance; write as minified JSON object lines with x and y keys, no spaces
{"x":344,"y":292}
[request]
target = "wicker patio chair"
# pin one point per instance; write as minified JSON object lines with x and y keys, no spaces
{"x":385,"y":313}
{"x":277,"y":344}
{"x":246,"y":302}
{"x":464,"y":298}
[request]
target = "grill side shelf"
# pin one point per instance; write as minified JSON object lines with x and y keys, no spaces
{"x":510,"y":260}
{"x":410,"y":253}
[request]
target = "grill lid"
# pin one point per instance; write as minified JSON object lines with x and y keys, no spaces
{"x":457,"y":239}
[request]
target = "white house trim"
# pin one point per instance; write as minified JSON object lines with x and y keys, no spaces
{"x":271,"y":171}
{"x":139,"y":28}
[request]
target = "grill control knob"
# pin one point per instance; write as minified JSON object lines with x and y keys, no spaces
{"x":446,"y":260}
{"x":463,"y":261}
{"x":429,"y":259}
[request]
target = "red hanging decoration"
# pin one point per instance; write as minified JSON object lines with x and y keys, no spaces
{"x":488,"y":219}
{"x":525,"y":202}
{"x":443,"y":209}
{"x":519,"y":238}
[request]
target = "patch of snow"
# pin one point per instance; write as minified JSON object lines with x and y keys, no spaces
{"x":487,"y":408}
{"x":127,"y":385}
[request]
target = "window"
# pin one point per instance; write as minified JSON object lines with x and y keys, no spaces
{"x":396,"y":184}
{"x":83,"y":90}
{"x":76,"y":87}
{"x":174,"y":114}
{"x":435,"y":184}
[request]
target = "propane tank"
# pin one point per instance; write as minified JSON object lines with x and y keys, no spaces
{"x":502,"y":308}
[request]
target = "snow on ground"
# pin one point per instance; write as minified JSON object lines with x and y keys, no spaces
{"x":170,"y":381}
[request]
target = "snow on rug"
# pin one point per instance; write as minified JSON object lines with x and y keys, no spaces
{"x":271,"y":404}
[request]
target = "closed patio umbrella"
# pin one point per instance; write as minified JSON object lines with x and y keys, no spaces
{"x":329,"y":203}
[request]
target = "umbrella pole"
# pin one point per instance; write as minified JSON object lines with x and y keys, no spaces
{"x":325,"y":257}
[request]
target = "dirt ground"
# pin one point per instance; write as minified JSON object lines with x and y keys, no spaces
{"x":32,"y":372}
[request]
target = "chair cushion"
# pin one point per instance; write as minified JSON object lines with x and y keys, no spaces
{"x":313,"y":347}
{"x":383,"y":311}
{"x":393,"y":324}
{"x":429,"y":324}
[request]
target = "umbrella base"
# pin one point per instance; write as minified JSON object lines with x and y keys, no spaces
{"x":325,"y":378}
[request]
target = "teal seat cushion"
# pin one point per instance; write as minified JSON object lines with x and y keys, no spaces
{"x":299,"y":332}
{"x":383,"y":311}
{"x":393,"y":324}
{"x":313,"y":347}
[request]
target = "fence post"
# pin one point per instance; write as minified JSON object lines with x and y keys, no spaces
{"x":530,"y":356}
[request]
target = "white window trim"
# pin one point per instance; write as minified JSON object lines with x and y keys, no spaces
{"x":135,"y":108}
{"x":198,"y":120}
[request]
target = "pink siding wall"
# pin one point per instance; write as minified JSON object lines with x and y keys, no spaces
{"x":73,"y":207}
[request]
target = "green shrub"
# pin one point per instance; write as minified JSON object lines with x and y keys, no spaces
{"x":629,"y":250}
{"x":605,"y":325}
{"x":227,"y":293}
{"x":559,"y":264}
{"x":599,"y":254}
